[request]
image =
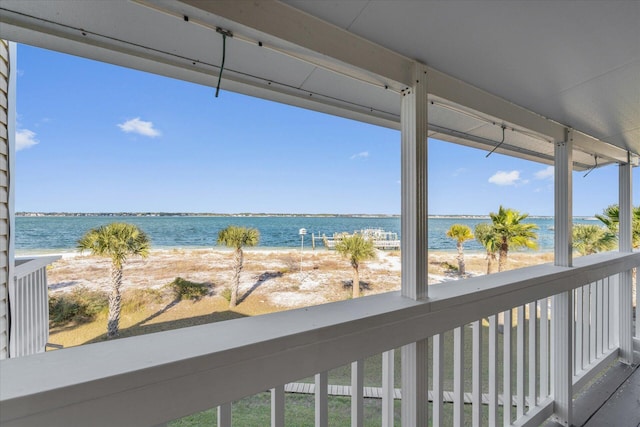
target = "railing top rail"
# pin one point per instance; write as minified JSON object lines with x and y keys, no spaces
{"x":29,"y":264}
{"x":159,"y":377}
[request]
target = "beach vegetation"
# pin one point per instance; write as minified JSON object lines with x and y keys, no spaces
{"x":357,"y":249}
{"x":80,"y":305}
{"x":460,"y":233}
{"x":138,"y":299}
{"x":486,"y":236}
{"x":187,"y":290}
{"x":116,"y":241}
{"x":590,"y":238}
{"x":237,"y":237}
{"x":610,"y":217}
{"x":512,"y":233}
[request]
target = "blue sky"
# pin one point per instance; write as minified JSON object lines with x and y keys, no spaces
{"x":93,"y":137}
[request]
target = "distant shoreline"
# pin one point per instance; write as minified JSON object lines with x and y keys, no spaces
{"x":252,"y":215}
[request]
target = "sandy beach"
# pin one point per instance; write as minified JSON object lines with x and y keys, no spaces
{"x":277,"y":278}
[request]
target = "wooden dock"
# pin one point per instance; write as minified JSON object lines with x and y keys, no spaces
{"x":376,"y":393}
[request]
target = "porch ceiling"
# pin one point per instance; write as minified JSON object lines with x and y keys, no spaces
{"x":530,"y":66}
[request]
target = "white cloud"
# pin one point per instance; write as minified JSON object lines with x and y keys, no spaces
{"x":25,"y":139}
{"x":546,"y":173}
{"x":140,"y":127}
{"x":505,"y":178}
{"x":361,"y":155}
{"x":459,"y":171}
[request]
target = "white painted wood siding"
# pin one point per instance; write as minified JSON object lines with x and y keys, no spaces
{"x":4,"y":197}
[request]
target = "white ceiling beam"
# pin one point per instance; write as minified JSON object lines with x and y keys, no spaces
{"x":292,"y":25}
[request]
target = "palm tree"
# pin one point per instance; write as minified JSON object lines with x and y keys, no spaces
{"x":486,"y":236}
{"x":237,"y":237}
{"x":116,"y":241}
{"x":589,"y":239}
{"x":460,"y":233}
{"x":512,"y":233}
{"x":357,"y":248}
{"x":610,"y":217}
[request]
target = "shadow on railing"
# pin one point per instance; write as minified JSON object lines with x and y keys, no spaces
{"x":29,"y":306}
{"x":156,"y":378}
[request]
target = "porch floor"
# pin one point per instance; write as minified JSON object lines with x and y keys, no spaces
{"x":622,"y":408}
{"x":615,"y":396}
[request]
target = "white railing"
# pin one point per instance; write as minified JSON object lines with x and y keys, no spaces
{"x":29,"y":306}
{"x":152,"y":379}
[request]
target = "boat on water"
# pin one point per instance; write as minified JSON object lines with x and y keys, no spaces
{"x":381,"y":239}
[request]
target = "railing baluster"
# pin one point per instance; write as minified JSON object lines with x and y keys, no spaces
{"x":506,"y":371}
{"x":224,"y":415}
{"x":357,"y":397}
{"x":533,"y":349}
{"x":606,"y":317}
{"x":612,"y":306}
{"x":595,"y":321}
{"x":493,"y":371}
{"x":477,"y":374}
{"x":438,"y":377}
{"x":520,"y":363}
{"x":577,"y":338}
{"x":388,"y":387}
{"x":544,"y":347}
{"x":637,"y":300}
{"x":603,"y":321}
{"x":321,"y":399}
{"x":586,"y":328}
{"x":458,"y":376}
{"x":277,"y":406}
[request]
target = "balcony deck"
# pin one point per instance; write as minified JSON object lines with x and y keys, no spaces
{"x":622,"y":408}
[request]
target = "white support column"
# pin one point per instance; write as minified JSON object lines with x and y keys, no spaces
{"x":277,"y":406}
{"x":413,"y":222}
{"x":625,"y":245}
{"x":388,"y":387}
{"x":414,"y":125}
{"x":562,"y":315}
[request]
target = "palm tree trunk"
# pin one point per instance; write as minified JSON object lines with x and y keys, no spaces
{"x":238,"y":261}
{"x":502,"y":260}
{"x":115,"y":300}
{"x":356,"y":283}
{"x":489,"y":262}
{"x":460,"y":260}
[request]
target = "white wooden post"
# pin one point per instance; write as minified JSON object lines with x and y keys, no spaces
{"x":321,"y":398}
{"x":458,"y":376}
{"x":277,"y":406}
{"x":506,"y":369}
{"x":388,"y":388}
{"x":533,"y":357}
{"x":625,"y":245}
{"x":357,"y":396}
{"x":493,"y":370}
{"x":224,"y":415}
{"x":476,"y":373}
{"x":438,"y":379}
{"x":520,"y":397}
{"x":562,"y":317}
{"x":414,"y":125}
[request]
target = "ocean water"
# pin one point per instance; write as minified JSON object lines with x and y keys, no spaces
{"x":59,"y":234}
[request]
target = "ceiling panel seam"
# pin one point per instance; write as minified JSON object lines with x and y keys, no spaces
{"x":613,"y":70}
{"x":358,"y":15}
